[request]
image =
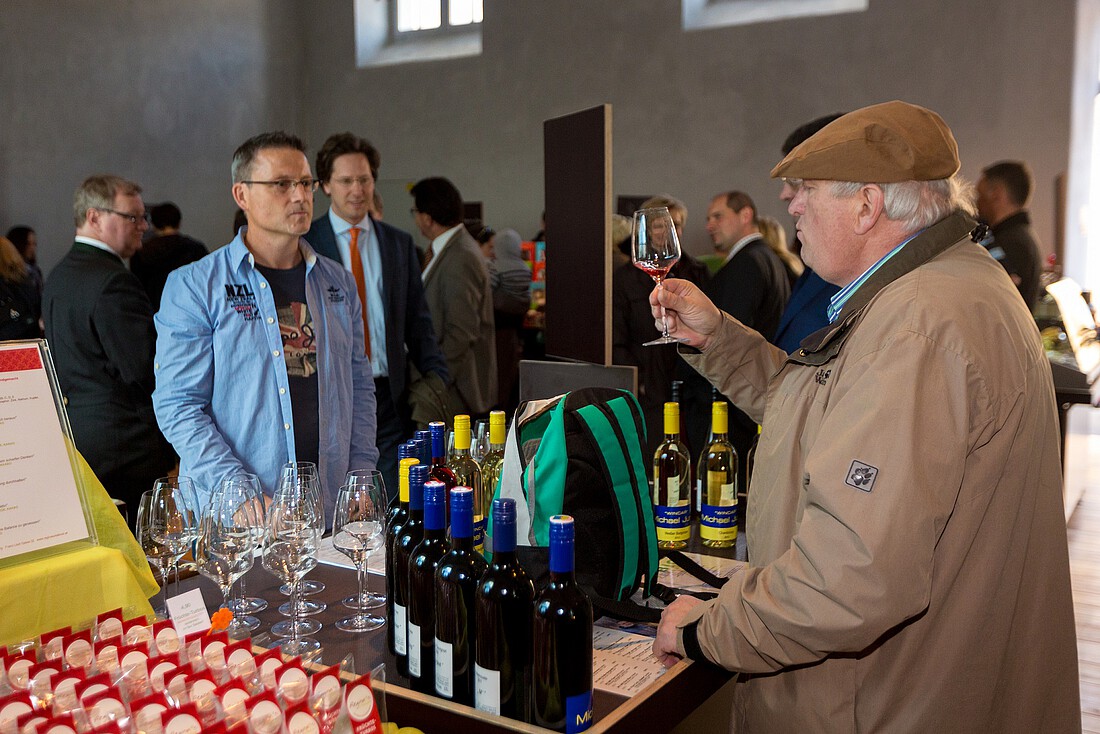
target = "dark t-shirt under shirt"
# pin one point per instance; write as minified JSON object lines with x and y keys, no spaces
{"x":288,"y":288}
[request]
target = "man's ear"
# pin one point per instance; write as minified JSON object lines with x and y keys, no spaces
{"x":871,"y":205}
{"x":240,"y":194}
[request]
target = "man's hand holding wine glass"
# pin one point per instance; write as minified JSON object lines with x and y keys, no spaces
{"x":689,"y":315}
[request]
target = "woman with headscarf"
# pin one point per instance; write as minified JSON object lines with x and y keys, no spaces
{"x":510,"y":277}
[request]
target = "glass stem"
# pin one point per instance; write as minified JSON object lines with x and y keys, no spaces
{"x":361,"y":568}
{"x":295,"y":600}
{"x":164,"y":586}
{"x":664,"y":316}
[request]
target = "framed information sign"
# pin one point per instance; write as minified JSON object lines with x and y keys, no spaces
{"x":42,"y":505}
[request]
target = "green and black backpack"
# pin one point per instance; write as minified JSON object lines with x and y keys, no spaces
{"x":581,"y":454}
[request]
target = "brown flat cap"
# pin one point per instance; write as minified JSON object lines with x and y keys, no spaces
{"x":884,"y":143}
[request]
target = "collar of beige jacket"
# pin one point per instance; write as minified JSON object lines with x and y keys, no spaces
{"x":922,"y":248}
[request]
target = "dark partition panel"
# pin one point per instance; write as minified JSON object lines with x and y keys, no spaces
{"x":577,"y":150}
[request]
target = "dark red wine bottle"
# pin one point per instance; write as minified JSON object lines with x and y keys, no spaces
{"x":441,"y":470}
{"x":422,"y":564}
{"x":562,"y":641}
{"x":504,"y":603}
{"x":412,"y":532}
{"x":456,"y":580}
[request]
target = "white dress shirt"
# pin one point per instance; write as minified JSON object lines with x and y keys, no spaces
{"x":370,"y":255}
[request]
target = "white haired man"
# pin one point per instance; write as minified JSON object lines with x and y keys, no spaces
{"x":907,"y":545}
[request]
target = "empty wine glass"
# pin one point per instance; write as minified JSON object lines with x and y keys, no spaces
{"x":303,"y":484}
{"x":654,"y":250}
{"x":359,"y":527}
{"x":226,"y":541}
{"x":156,"y":552}
{"x":372,"y":479}
{"x":479,"y":447}
{"x":174,"y":517}
{"x":244,"y":606}
{"x":292,"y":539}
{"x":292,"y":471}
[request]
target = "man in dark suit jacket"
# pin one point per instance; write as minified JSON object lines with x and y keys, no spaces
{"x":752,"y":286}
{"x":460,"y":298}
{"x":387,"y":271}
{"x":99,"y":325}
{"x":810,"y":295}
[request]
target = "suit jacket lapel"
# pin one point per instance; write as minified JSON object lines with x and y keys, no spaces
{"x":388,"y":258}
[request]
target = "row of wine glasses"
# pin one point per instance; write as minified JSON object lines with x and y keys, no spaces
{"x":286,"y":528}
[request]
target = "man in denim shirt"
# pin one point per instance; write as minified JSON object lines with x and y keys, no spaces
{"x":260,"y":356}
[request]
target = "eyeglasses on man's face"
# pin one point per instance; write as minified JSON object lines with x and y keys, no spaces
{"x":286,"y":185}
{"x":132,"y":218}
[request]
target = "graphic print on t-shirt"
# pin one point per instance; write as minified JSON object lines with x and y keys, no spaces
{"x":299,"y":343}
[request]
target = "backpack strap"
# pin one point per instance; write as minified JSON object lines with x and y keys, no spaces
{"x":629,"y":413}
{"x":609,"y":446}
{"x":682,"y":560}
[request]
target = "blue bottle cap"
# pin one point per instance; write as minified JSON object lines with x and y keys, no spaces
{"x":462,"y":512}
{"x":418,"y":474}
{"x":561,"y":544}
{"x":435,"y":507}
{"x":504,"y":525}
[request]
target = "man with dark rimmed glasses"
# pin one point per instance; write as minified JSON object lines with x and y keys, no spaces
{"x":260,"y":354}
{"x":100,"y":328}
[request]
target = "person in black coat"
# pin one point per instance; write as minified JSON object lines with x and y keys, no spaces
{"x":632,"y":321}
{"x":753,"y":287}
{"x":99,"y":325}
{"x":19,"y":307}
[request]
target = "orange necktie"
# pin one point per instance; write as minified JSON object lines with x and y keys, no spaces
{"x":360,"y":282}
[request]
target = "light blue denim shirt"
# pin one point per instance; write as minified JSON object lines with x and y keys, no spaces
{"x":222,"y":396}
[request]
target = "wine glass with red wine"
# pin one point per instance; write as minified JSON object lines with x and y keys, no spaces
{"x":654,"y":250}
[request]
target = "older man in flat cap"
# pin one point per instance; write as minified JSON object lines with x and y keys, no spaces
{"x":907,"y":544}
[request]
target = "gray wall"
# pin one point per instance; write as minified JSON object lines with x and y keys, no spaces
{"x":160,"y":92}
{"x":163,"y":92}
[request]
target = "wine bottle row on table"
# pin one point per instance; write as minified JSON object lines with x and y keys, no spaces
{"x":473,"y":632}
{"x":714,"y":508}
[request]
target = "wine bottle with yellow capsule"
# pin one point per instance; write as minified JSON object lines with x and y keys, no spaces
{"x":716,"y":484}
{"x":467,"y":473}
{"x":493,"y":462}
{"x":672,"y":485}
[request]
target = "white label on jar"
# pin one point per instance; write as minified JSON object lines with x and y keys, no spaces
{"x":399,"y":630}
{"x":487,"y":690}
{"x":414,"y":650}
{"x":444,"y":680}
{"x":183,"y":724}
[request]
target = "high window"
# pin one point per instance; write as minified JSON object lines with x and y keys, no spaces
{"x":400,"y":31}
{"x":717,"y":13}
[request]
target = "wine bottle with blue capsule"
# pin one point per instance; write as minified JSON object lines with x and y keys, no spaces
{"x":504,"y":603}
{"x":412,"y":532}
{"x":562,"y":641}
{"x":456,"y":580}
{"x":422,"y":565}
{"x":672,"y":485}
{"x":394,"y":526}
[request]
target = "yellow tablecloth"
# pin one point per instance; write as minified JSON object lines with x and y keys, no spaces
{"x":72,"y":588}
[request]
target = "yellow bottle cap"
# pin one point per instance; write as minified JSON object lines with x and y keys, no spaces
{"x":462,"y":433}
{"x":672,"y":417}
{"x":403,"y":479}
{"x":720,"y":421}
{"x":496,"y":427}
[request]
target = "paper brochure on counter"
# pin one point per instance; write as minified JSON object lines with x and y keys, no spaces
{"x":42,"y":507}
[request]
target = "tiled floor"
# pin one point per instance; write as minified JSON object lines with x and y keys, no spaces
{"x":1083,"y":477}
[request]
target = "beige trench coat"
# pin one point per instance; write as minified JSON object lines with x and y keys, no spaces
{"x":907,"y":545}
